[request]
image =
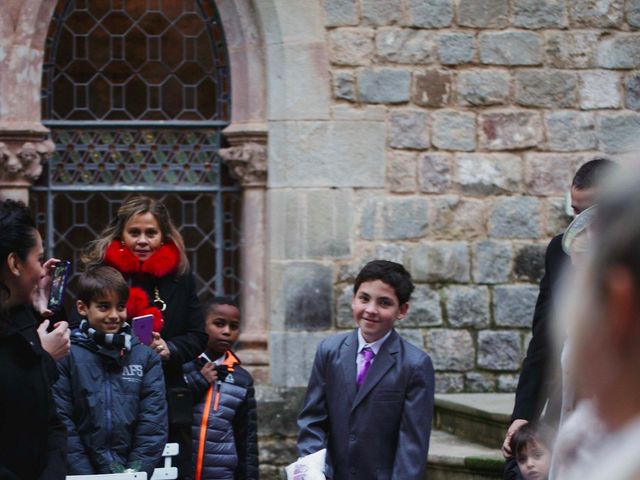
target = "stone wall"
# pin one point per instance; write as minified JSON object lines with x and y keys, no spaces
{"x":479,"y":112}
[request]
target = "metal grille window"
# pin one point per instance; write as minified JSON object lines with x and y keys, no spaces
{"x":136,"y":94}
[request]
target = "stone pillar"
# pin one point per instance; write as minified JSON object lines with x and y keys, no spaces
{"x":247,"y":160}
{"x":21,"y":155}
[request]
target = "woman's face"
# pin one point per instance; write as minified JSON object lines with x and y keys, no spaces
{"x":27,"y":273}
{"x":142,"y":235}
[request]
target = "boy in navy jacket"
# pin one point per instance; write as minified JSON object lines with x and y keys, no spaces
{"x":225,"y":439}
{"x":110,"y":393}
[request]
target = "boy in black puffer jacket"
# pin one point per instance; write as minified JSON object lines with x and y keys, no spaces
{"x":225,"y":440}
{"x":110,"y":393}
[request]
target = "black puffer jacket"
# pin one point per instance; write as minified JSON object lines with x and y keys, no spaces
{"x":114,"y":406}
{"x":32,"y":437}
{"x":231,"y":440}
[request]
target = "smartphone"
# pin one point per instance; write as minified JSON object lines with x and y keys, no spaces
{"x":58,"y":285}
{"x":143,"y":328}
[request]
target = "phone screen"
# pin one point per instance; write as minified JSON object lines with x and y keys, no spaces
{"x":143,"y":327}
{"x":58,"y":285}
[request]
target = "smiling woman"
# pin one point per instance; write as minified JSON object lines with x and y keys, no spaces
{"x":142,"y":242}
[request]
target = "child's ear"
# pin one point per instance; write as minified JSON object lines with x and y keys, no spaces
{"x":82,"y":308}
{"x":404,"y":308}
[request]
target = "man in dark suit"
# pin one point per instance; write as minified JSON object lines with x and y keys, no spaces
{"x":370,"y":396}
{"x":539,"y":382}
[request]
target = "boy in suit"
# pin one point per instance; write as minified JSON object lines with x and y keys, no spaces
{"x":369,"y":401}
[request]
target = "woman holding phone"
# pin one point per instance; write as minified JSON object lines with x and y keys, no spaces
{"x":32,"y":437}
{"x":142,"y":242}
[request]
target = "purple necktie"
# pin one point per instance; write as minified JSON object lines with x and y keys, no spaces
{"x":368,"y":357}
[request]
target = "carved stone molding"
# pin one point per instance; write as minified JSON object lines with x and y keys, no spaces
{"x":21,"y":159}
{"x":248,"y":162}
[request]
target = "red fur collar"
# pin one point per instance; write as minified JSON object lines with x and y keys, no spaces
{"x":164,"y":260}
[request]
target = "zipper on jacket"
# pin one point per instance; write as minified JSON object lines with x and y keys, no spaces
{"x":109,"y":414}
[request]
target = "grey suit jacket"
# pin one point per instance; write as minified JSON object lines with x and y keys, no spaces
{"x":380,"y":431}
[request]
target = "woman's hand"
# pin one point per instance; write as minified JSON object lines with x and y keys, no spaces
{"x":56,"y":343}
{"x":160,"y":346}
{"x":40,"y":296}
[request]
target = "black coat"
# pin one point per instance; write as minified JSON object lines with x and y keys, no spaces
{"x":32,"y":436}
{"x":540,"y":379}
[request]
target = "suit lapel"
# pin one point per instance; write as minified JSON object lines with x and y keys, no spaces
{"x":384,"y":360}
{"x":348,"y":352}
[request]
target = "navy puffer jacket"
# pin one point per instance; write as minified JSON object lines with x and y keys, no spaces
{"x":114,"y":406}
{"x":231,"y":441}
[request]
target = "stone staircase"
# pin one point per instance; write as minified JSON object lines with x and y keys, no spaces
{"x":468,"y":432}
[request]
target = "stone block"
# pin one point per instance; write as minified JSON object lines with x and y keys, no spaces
{"x":632,"y":91}
{"x":405,"y":45}
{"x":430,"y":13}
{"x":571,"y":49}
{"x":283,"y":346}
{"x":384,"y":85}
{"x":344,"y":86}
{"x":515,"y":217}
{"x":510,"y":130}
{"x":620,"y":51}
{"x":394,"y":252}
{"x":487,"y":174}
{"x":451,"y":349}
{"x":409,"y":129}
{"x":458,"y":218}
{"x":424,"y":309}
{"x":600,"y":89}
{"x":633,"y":13}
{"x":546,"y":88}
{"x":486,"y":14}
{"x":351,"y":46}
{"x":510,"y":48}
{"x":499,"y":350}
{"x":435,"y":172}
{"x":477,"y":382}
{"x":431,"y":88}
{"x":401,"y":176}
{"x":492,"y":261}
{"x":310,"y":223}
{"x":453,"y":130}
{"x":319,"y":153}
{"x":278,"y":409}
{"x":596,"y":13}
{"x":344,"y":314}
{"x":308,"y":295}
{"x":394,"y":218}
{"x":513,"y":305}
{"x":556,"y":218}
{"x":483,"y":87}
{"x":540,"y":14}
{"x":529,"y":263}
{"x":467,"y":306}
{"x":568,"y":131}
{"x":449,"y":383}
{"x":380,"y":12}
{"x":411,"y":335}
{"x":340,"y":13}
{"x":507,"y":383}
{"x":440,"y":262}
{"x":353,"y":113}
{"x":456,"y":48}
{"x":618,"y":132}
{"x":548,"y":173}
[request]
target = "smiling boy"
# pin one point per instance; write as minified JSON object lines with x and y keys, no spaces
{"x":369,"y":401}
{"x":110,"y":393}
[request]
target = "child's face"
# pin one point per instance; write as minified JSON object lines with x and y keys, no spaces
{"x":223,"y":327}
{"x":376,"y":308}
{"x":534,"y":461}
{"x":106,"y":313}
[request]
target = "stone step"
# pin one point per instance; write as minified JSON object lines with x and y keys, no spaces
{"x":479,"y":417}
{"x":454,"y":458}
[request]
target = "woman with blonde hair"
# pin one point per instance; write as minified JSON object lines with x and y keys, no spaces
{"x":142,"y":243}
